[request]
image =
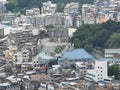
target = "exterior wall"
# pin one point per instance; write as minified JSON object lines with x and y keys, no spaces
{"x":1,"y":31}
{"x":53,"y":19}
{"x":109,"y":53}
{"x":67,"y":63}
{"x":26,"y":55}
{"x":78,"y":21}
{"x":88,"y":13}
{"x":90,"y":75}
{"x":71,"y":8}
{"x":51,"y":87}
{"x":34,"y":11}
{"x":81,"y":69}
{"x":101,"y":70}
{"x":21,"y":36}
{"x":19,"y":56}
{"x":3,"y":45}
{"x":48,"y":7}
{"x":99,"y":73}
{"x":58,"y":34}
{"x":112,"y":55}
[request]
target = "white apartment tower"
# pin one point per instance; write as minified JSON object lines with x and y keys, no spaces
{"x":99,"y":73}
{"x":88,"y":13}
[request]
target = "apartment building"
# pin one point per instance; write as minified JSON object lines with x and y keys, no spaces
{"x":3,"y":45}
{"x":33,"y":11}
{"x":20,"y":56}
{"x":81,"y":69}
{"x":48,"y":8}
{"x":19,"y":36}
{"x":113,"y":55}
{"x":57,"y":19}
{"x":41,"y":59}
{"x":69,"y":57}
{"x":88,"y":13}
{"x":71,"y":8}
{"x":59,"y":34}
{"x":99,"y":73}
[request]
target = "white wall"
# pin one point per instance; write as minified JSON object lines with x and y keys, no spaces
{"x":100,"y":72}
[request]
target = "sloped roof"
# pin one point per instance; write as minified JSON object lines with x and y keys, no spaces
{"x":44,"y":56}
{"x":76,"y":54}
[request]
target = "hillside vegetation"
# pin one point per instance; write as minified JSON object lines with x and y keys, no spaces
{"x":98,"y":36}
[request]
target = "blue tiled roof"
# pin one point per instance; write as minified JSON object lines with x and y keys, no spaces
{"x":76,"y":54}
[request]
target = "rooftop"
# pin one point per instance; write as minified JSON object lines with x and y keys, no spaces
{"x":44,"y":56}
{"x":4,"y":84}
{"x":77,"y":54}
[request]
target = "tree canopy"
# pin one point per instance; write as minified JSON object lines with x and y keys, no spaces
{"x":106,"y":35}
{"x":114,"y":41}
{"x":113,"y":70}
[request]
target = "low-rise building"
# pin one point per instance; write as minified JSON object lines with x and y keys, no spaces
{"x":74,"y":55}
{"x":81,"y":69}
{"x":113,"y":55}
{"x":41,"y":59}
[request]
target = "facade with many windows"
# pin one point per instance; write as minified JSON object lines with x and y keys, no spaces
{"x":99,"y":73}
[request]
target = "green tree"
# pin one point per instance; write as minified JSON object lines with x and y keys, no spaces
{"x":114,"y":41}
{"x":97,"y":36}
{"x":113,"y":70}
{"x":58,"y":49}
{"x":12,"y":5}
{"x":49,"y":26}
{"x":14,"y":2}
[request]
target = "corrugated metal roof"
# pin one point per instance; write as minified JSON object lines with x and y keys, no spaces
{"x":76,"y":54}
